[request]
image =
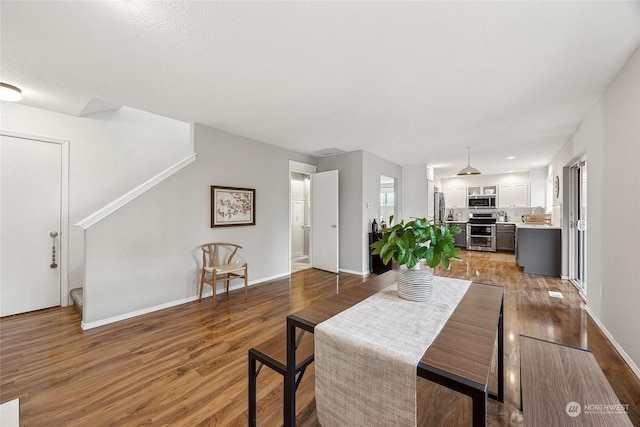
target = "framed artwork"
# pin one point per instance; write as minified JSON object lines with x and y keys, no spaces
{"x":231,"y":206}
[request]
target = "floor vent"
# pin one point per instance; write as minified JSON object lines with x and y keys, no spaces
{"x":555,"y":294}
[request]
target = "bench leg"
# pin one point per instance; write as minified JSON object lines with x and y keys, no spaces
{"x":252,"y":390}
{"x":479,"y":414}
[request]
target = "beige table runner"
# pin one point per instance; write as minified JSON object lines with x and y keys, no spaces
{"x":366,"y":356}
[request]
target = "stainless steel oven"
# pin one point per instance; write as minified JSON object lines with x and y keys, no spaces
{"x":481,"y":232}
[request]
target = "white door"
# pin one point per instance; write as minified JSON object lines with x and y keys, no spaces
{"x":324,"y":221}
{"x":30,"y":209}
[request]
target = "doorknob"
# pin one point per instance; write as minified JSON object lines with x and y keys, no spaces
{"x":53,"y":235}
{"x":334,"y":226}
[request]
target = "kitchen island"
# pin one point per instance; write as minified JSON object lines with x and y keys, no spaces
{"x":539,"y":249}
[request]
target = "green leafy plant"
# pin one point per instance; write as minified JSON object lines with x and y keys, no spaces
{"x":408,"y":243}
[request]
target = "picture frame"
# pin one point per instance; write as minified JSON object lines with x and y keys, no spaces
{"x":232,"y":206}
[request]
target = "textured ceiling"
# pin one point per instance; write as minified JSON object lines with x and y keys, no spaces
{"x":410,"y":82}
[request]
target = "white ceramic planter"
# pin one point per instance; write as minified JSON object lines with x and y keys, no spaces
{"x":415,"y":284}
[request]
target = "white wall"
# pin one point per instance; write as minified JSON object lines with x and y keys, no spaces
{"x":610,"y":136}
{"x":415,"y":192}
{"x":110,"y":153}
{"x":146,"y":255}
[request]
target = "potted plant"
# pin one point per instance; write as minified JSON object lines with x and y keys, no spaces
{"x":406,"y":244}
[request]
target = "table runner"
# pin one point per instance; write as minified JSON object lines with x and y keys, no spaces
{"x":366,"y":356}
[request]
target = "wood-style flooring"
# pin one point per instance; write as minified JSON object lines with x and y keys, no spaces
{"x":187,"y":365}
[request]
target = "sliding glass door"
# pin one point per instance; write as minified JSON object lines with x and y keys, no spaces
{"x":578,"y":225}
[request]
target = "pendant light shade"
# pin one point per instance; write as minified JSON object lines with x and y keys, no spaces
{"x":10,"y":93}
{"x":469,"y":170}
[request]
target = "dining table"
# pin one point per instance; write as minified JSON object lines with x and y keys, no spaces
{"x":461,"y":356}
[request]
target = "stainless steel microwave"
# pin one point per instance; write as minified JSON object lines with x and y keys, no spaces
{"x":486,"y":201}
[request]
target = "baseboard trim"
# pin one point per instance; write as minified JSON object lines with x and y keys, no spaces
{"x":207,"y":293}
{"x":615,"y":344}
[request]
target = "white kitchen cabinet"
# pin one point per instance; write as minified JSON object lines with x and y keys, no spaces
{"x":455,"y":197}
{"x":513,"y":196}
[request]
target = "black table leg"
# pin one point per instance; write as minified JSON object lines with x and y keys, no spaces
{"x":290,"y":377}
{"x":252,"y":390}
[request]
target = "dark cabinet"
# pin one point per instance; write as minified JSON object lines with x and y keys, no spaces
{"x":375,"y":262}
{"x":460,"y":240}
{"x":506,"y":237}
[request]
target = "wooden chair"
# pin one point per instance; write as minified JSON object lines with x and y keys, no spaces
{"x":224,"y":271}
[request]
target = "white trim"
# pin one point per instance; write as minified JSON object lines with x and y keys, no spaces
{"x":140,"y":189}
{"x":64,"y":205}
{"x":613,"y":341}
{"x":239,"y":285}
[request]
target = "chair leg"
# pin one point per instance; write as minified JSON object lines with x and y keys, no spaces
{"x":215,"y":285}
{"x":202,"y":279}
{"x":246,"y":284}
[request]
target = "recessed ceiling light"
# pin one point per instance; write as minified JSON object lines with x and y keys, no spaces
{"x":10,"y":93}
{"x":511,"y":157}
{"x":534,"y":163}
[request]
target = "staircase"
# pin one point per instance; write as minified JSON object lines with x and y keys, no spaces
{"x":77,"y":298}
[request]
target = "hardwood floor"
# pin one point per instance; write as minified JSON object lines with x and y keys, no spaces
{"x":187,"y":365}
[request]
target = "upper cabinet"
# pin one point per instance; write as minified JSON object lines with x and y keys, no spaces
{"x":480,"y":191}
{"x":513,"y":195}
{"x":455,"y":197}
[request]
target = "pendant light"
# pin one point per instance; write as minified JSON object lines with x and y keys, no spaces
{"x":10,"y":93}
{"x":469,"y":170}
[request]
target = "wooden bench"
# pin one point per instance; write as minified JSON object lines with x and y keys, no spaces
{"x":272,"y":353}
{"x":562,"y":385}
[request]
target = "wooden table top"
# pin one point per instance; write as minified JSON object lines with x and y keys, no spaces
{"x":464,"y":347}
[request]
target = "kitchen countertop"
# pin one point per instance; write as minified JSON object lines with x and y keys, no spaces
{"x":518,"y":224}
{"x":541,"y":226}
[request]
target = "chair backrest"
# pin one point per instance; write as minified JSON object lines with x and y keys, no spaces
{"x":218,"y":253}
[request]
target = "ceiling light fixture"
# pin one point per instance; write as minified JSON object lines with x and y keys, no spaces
{"x":511,"y":157}
{"x":10,"y":93}
{"x":469,"y":170}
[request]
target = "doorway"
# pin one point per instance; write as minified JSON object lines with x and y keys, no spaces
{"x":34,"y":223}
{"x":300,"y":220}
{"x":578,"y":225}
{"x":387,"y":199}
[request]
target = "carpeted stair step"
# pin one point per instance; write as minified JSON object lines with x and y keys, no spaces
{"x":77,"y":298}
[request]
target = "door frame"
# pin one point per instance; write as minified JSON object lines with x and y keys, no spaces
{"x":63,"y":260}
{"x":304,"y":168}
{"x":577,"y":249}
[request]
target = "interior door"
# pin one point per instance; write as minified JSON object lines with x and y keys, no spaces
{"x":30,"y":209}
{"x":324,"y":221}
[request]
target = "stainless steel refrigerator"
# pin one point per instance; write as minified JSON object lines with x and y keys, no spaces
{"x":438,"y":207}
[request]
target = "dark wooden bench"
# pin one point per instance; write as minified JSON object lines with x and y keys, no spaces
{"x":272,"y":353}
{"x":563,"y":385}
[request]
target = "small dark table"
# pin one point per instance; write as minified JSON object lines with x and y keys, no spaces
{"x":460,"y":357}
